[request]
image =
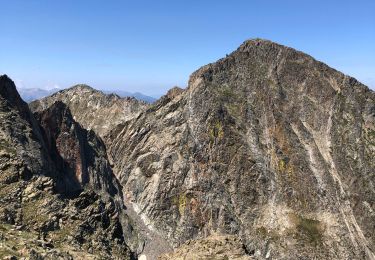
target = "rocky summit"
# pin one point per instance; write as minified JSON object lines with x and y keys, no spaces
{"x":267,"y":154}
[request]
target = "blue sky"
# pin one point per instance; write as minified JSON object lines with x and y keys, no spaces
{"x":150,"y":46}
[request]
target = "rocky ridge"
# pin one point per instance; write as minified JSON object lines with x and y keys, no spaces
{"x":93,"y":109}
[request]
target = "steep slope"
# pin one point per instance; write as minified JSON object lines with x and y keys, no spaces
{"x":76,"y":152}
{"x":20,"y":136}
{"x":267,"y":144}
{"x":93,"y":109}
{"x":59,"y":198}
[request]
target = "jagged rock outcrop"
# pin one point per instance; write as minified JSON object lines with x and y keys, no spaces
{"x":59,"y":198}
{"x":93,"y":109}
{"x":267,"y":144}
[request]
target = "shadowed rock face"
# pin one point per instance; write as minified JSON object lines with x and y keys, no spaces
{"x":93,"y":109}
{"x":77,"y":153}
{"x":66,"y":141}
{"x":59,"y":198}
{"x":267,"y":144}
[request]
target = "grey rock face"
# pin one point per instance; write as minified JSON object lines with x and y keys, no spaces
{"x":93,"y":109}
{"x":267,"y":144}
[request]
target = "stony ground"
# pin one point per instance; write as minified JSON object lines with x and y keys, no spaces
{"x":215,"y":247}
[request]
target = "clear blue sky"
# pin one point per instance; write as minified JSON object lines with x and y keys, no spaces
{"x":150,"y":46}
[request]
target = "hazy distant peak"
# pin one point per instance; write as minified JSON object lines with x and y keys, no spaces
{"x":136,"y":95}
{"x":31,"y":94}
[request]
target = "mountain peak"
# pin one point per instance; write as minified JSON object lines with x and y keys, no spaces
{"x":4,"y":76}
{"x":8,"y":92}
{"x":258,"y":41}
{"x":263,"y":59}
{"x":8,"y":88}
{"x":259,"y":137}
{"x":82,"y":87}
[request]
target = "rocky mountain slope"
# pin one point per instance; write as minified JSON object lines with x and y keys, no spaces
{"x":267,"y":144}
{"x":93,"y":109}
{"x":59,"y":197}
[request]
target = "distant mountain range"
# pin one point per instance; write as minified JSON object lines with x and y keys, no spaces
{"x":31,"y":94}
{"x":137,"y":95}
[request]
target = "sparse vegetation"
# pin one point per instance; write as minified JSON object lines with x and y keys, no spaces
{"x":32,"y":212}
{"x":180,"y":201}
{"x":216,"y":131}
{"x":308,"y":229}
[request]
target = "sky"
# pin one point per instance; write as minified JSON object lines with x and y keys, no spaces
{"x":151,"y":46}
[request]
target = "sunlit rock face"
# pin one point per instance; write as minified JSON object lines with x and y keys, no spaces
{"x":267,"y":144}
{"x":93,"y":109}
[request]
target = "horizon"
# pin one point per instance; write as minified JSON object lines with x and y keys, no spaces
{"x":150,"y":47}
